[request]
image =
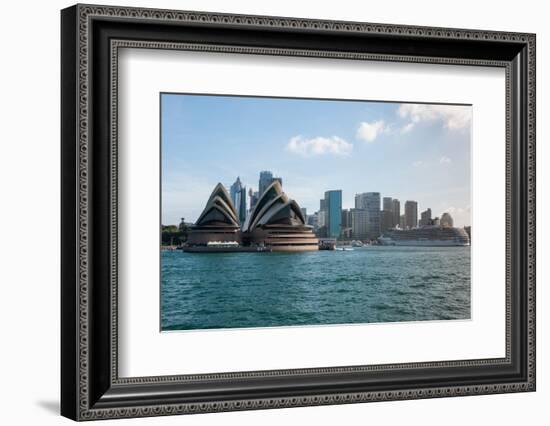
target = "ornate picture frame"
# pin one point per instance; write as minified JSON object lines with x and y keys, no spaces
{"x":91,"y":37}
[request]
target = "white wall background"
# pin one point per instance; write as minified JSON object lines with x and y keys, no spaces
{"x":29,"y":185}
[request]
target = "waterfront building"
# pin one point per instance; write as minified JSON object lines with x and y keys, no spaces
{"x":218,"y":221}
{"x":322,"y":216}
{"x":411,"y":214}
{"x":386,"y":215}
{"x":277,"y":222}
{"x":370,"y":201}
{"x":238,"y":196}
{"x":446,"y":220}
{"x":402,"y":221}
{"x":359,"y":224}
{"x":322,"y":219}
{"x":426,"y":217}
{"x":266,"y":179}
{"x":333,"y":209}
{"x":386,"y":220}
{"x":396,"y":209}
{"x":346,"y":224}
{"x":346,"y":218}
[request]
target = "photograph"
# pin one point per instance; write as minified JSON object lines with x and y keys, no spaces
{"x":266,"y":208}
{"x":279,"y":212}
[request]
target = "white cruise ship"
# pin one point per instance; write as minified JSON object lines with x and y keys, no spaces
{"x":429,"y":236}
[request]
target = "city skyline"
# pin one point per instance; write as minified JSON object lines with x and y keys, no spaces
{"x":402,"y":151}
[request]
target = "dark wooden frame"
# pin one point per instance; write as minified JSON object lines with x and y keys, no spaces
{"x":90,"y":386}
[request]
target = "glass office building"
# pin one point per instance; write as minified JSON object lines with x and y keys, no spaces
{"x":333,"y":206}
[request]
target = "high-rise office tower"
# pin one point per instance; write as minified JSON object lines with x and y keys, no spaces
{"x":396,"y":212}
{"x":411,"y":214}
{"x":266,"y":179}
{"x":359,"y":224}
{"x":333,"y":208}
{"x":426,"y":217}
{"x":386,"y":215}
{"x":370,"y":201}
{"x":238,"y":196}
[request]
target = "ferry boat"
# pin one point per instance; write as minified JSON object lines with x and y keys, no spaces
{"x":428,"y":236}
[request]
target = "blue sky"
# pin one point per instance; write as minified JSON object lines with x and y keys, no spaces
{"x":415,"y":152}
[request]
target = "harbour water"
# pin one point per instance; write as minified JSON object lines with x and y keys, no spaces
{"x":364,"y":285}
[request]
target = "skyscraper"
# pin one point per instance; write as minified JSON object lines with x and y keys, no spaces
{"x":426,"y":217}
{"x":396,"y":212}
{"x":333,"y":206}
{"x":402,"y":221}
{"x":313,"y":220}
{"x":411,"y":214}
{"x":238,"y":196}
{"x":346,"y":223}
{"x":346,"y":218}
{"x":359,"y":224}
{"x":370,"y":201}
{"x":322,"y":216}
{"x":266,"y":179}
{"x":386,"y":215}
{"x":386,"y":220}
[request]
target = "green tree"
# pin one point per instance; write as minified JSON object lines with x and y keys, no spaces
{"x":172,"y":235}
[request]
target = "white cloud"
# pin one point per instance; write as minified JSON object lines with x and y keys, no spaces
{"x":368,"y":132}
{"x":445,"y":160}
{"x":407,"y":128}
{"x":319,"y":146}
{"x":418,"y":163}
{"x":453,"y":117}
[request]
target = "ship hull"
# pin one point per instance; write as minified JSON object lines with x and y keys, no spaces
{"x":426,"y":236}
{"x":420,"y":243}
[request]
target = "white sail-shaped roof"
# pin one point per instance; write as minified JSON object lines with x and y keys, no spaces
{"x":219,"y":208}
{"x":274,"y":207}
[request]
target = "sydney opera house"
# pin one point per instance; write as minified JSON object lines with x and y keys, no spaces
{"x":276,"y":223}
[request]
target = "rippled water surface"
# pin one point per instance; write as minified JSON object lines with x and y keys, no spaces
{"x":371,"y":284}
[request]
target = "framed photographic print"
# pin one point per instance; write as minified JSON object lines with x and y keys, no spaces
{"x":263,"y":212}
